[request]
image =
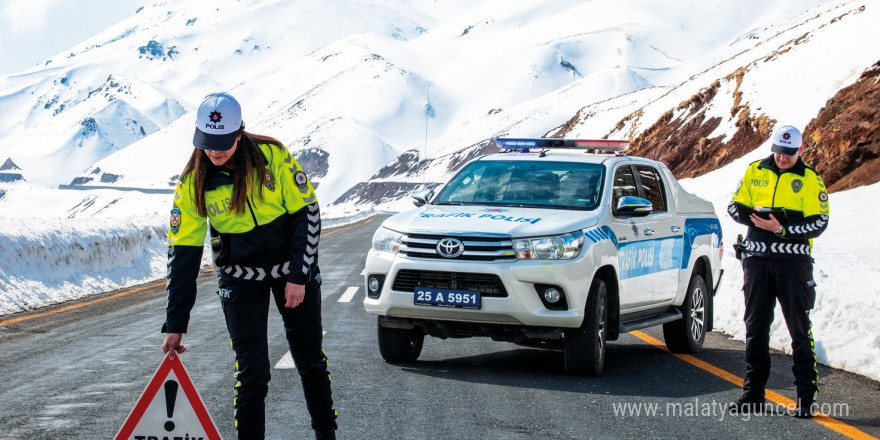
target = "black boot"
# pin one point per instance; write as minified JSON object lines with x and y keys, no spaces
{"x":329,"y":434}
{"x":748,"y":403}
{"x":804,"y":408}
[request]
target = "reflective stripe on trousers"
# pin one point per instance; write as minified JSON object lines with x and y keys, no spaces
{"x":246,"y":313}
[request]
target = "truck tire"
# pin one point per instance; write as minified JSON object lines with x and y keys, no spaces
{"x":688,"y":333}
{"x":584,"y":347}
{"x":400,"y":345}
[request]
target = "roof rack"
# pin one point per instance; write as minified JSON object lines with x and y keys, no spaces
{"x":596,"y":145}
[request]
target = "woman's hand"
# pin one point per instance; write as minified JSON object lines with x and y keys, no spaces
{"x":294,"y":294}
{"x":768,"y":225}
{"x":172,"y":344}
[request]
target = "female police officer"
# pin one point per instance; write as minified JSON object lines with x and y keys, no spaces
{"x":264,"y":221}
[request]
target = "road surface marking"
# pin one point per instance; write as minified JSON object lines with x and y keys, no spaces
{"x":350,"y":226}
{"x":348,"y":294}
{"x":828,"y":422}
{"x":364,"y":272}
{"x":286,"y":361}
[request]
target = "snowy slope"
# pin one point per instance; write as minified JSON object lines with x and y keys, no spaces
{"x":59,"y":127}
{"x":183,"y":50}
{"x":295,"y":66}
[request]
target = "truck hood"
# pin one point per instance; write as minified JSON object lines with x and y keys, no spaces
{"x":513,"y":222}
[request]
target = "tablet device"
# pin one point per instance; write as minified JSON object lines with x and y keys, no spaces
{"x":745,"y":212}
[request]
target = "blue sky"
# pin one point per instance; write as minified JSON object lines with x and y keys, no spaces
{"x":32,"y":31}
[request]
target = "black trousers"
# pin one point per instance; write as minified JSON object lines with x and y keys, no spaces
{"x":246,"y":308}
{"x":790,"y":282}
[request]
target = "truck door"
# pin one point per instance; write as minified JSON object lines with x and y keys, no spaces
{"x":665,"y":230}
{"x":635,"y":248}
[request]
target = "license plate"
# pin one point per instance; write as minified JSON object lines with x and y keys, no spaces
{"x":462,"y":299}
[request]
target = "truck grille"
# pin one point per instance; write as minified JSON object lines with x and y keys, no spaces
{"x":488,"y":285}
{"x":476,"y":248}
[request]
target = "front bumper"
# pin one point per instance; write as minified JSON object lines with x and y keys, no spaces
{"x":522,"y":305}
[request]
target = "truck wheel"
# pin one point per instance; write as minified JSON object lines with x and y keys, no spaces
{"x":400,"y":345}
{"x":584,"y":347}
{"x":688,"y":333}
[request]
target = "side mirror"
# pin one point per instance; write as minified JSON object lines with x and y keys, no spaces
{"x":636,"y":206}
{"x":421,"y":198}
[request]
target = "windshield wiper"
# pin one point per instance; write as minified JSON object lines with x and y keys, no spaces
{"x":448,"y":203}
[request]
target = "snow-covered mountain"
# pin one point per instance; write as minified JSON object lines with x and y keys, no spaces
{"x":377,"y":98}
{"x":375,"y":80}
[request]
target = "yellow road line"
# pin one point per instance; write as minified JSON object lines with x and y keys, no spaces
{"x":79,"y":304}
{"x":339,"y":229}
{"x":829,"y":422}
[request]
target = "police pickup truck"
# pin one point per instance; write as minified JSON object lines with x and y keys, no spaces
{"x":555,"y":243}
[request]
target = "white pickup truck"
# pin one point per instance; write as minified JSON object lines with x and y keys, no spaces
{"x":552,"y":243}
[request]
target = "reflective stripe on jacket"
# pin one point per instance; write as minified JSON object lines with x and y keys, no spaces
{"x":800,"y":190}
{"x":274,"y":237}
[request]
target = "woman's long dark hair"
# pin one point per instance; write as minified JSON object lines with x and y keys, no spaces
{"x":250,"y":165}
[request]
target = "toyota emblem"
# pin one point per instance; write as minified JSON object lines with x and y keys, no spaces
{"x":450,"y":247}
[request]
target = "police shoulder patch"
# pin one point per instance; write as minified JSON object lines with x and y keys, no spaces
{"x":175,"y":220}
{"x":823,"y":196}
{"x":300,"y":178}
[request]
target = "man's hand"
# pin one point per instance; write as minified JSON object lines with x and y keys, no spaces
{"x":172,"y":344}
{"x":294,"y":294}
{"x":768,"y":225}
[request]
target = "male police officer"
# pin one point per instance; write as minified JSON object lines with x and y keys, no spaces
{"x":778,"y":265}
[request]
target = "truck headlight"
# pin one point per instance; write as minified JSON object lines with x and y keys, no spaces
{"x":557,"y":247}
{"x":386,"y":240}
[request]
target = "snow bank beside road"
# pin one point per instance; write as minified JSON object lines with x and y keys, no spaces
{"x":48,"y":262}
{"x":44,"y":262}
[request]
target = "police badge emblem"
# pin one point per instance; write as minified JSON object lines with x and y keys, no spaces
{"x":300,"y":178}
{"x":269,"y":180}
{"x":175,"y":220}
{"x":796,"y":185}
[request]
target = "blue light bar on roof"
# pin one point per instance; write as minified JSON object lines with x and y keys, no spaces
{"x":525,"y":144}
{"x":517,"y":144}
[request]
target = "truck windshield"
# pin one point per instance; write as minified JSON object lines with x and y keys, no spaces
{"x":539,"y":184}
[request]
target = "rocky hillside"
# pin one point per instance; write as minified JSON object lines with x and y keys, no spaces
{"x":681,"y":137}
{"x":843,"y":141}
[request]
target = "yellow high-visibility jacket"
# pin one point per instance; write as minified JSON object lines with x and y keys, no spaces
{"x":276,"y":237}
{"x":800,"y":190}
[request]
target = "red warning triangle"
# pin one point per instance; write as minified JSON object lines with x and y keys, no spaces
{"x":169,"y":407}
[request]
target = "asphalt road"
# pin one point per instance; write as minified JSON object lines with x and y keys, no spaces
{"x":77,"y":373}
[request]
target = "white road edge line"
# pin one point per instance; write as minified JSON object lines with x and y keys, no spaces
{"x":364,"y":272}
{"x":348,"y":295}
{"x":286,"y":362}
